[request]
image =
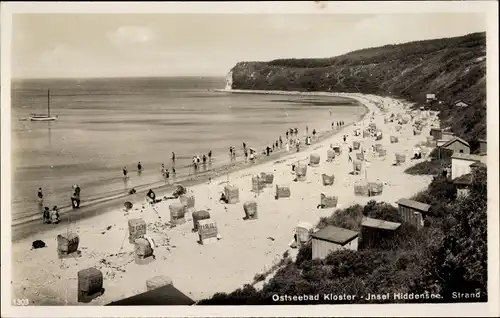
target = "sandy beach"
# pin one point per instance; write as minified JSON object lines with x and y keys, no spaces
{"x":247,"y":247}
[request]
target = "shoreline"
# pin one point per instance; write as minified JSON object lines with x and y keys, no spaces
{"x":25,"y":227}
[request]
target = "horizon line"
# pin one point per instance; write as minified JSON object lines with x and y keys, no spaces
{"x":113,"y":77}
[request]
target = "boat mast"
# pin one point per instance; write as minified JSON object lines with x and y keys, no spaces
{"x":48,"y":103}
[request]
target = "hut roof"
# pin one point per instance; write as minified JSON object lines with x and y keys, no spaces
{"x":464,"y":156}
{"x":206,"y":221}
{"x":380,"y":224}
{"x":478,"y":164}
{"x":436,"y":129}
{"x":414,"y":204}
{"x":305,"y":225}
{"x":165,"y":295}
{"x":449,"y":142}
{"x":465,"y":180}
{"x":335,"y":235}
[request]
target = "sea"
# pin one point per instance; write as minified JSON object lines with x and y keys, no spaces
{"x":107,"y":124}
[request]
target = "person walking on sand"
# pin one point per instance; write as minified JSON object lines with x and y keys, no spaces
{"x":345,"y":138}
{"x":40,"y":196}
{"x":54,"y":215}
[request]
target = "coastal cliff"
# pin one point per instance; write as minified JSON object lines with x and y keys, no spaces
{"x":451,"y":68}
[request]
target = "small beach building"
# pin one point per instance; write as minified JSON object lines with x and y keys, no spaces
{"x":162,"y":296}
{"x":430,"y":97}
{"x":413,"y":212}
{"x":460,"y":163}
{"x":457,"y":145}
{"x":372,"y":230}
{"x":483,"y":147}
{"x":332,"y":238}
{"x":463,"y":184}
{"x":461,"y":103}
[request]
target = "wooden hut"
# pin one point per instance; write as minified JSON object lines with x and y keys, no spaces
{"x":356,"y":145}
{"x":328,"y":180}
{"x":207,"y":231}
{"x":250,"y":208}
{"x":413,"y":212}
{"x":158,"y":281}
{"x":144,"y":250}
{"x":373,"y":230}
{"x":268,"y":179}
{"x":67,"y":245}
{"x":177,"y":213}
{"x":375,"y":188}
{"x":337,"y":149}
{"x":314,"y":159}
{"x":282,"y":192}
{"x":136,"y":229}
{"x":328,"y":202}
{"x":361,"y":190}
{"x":90,"y":282}
{"x":188,"y":200}
{"x":301,"y":172}
{"x":198,"y":216}
{"x":400,"y":158}
{"x":258,"y":183}
{"x":232,"y":194}
{"x":302,"y":233}
{"x":356,"y":166}
{"x":330,"y":155}
{"x":330,"y":239}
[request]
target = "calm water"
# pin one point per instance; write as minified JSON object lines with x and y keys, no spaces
{"x":107,"y":124}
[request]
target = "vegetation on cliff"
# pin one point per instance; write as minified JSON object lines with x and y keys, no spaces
{"x":452,"y":68}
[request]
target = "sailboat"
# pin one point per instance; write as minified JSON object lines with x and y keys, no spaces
{"x":44,"y":117}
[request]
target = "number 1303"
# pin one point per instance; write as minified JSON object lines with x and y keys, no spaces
{"x":21,"y":302}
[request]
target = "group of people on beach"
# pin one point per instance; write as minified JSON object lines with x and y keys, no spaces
{"x":337,"y":124}
{"x":197,"y":161}
{"x":52,"y":216}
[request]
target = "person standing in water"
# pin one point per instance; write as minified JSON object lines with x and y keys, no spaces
{"x":125,"y":172}
{"x":139,"y":167}
{"x":173,"y":156}
{"x":173,"y":171}
{"x":210,"y":155}
{"x":204,"y":159}
{"x":75,"y":198}
{"x":307,"y":130}
{"x":54,"y":215}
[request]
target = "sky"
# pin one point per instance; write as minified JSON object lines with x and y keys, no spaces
{"x":128,"y":45}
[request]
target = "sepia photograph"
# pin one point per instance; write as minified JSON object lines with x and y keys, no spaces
{"x":205,"y":156}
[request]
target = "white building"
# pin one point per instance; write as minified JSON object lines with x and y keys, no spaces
{"x":330,"y":239}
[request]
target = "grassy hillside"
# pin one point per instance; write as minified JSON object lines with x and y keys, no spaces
{"x":451,"y":68}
